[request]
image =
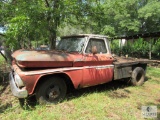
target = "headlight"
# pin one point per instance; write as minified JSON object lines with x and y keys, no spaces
{"x":18,"y":80}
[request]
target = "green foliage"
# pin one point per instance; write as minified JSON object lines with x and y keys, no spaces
{"x":1,"y":59}
{"x":149,"y":16}
{"x":44,"y":20}
{"x":120,"y":17}
{"x":115,"y":48}
{"x":140,"y":47}
{"x":108,"y":30}
{"x":133,"y":48}
{"x":156,"y":48}
{"x":27,"y":25}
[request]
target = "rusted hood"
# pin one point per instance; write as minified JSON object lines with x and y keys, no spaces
{"x":30,"y":58}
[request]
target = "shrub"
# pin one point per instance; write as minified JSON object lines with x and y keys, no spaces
{"x":156,"y":49}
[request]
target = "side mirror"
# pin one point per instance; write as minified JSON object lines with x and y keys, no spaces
{"x":94,"y":50}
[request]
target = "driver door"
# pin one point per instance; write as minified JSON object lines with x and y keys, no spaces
{"x":98,"y":67}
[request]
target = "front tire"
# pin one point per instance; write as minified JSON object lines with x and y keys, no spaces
{"x":51,"y":91}
{"x":138,"y":76}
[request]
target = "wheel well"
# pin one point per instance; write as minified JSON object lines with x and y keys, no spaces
{"x":144,"y":66}
{"x":66,"y":78}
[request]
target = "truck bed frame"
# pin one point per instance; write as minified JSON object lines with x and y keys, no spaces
{"x":123,"y":66}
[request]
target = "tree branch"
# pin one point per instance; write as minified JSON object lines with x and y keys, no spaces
{"x":47,"y":3}
{"x":4,"y":56}
{"x":2,"y":34}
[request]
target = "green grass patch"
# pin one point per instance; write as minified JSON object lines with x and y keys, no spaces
{"x":1,"y":59}
{"x":112,"y":101}
{"x":153,"y":72}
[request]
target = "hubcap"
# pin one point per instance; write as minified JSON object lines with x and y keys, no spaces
{"x":53,"y":93}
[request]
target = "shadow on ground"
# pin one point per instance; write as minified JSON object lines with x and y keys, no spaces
{"x":3,"y":86}
{"x":5,"y":94}
{"x":3,"y":107}
{"x":30,"y":103}
{"x":111,"y":86}
{"x":4,"y":77}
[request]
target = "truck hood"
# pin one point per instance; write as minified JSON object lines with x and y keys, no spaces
{"x":31,"y":58}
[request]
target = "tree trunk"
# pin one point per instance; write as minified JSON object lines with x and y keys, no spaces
{"x":3,"y":55}
{"x":52,"y":39}
{"x":53,"y":22}
{"x":7,"y":55}
{"x":150,"y":49}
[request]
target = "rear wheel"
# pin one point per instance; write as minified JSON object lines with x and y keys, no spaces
{"x":138,"y":76}
{"x":51,"y":91}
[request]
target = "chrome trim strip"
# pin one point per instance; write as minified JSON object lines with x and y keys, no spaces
{"x":57,"y":70}
{"x":103,"y":66}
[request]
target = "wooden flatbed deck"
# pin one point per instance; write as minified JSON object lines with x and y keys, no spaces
{"x":123,"y":61}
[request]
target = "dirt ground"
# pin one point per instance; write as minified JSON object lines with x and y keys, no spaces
{"x":6,"y":97}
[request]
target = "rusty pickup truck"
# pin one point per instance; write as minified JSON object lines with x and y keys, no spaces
{"x":78,"y":61}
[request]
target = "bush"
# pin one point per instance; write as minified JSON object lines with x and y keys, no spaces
{"x":156,"y":49}
{"x":115,"y":47}
{"x":140,"y":48}
{"x":137,"y":48}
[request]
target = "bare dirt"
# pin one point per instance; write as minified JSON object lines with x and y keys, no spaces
{"x":6,"y":98}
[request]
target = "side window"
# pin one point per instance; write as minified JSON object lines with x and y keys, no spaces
{"x":99,"y":43}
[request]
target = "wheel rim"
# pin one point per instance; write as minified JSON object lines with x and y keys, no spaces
{"x":53,"y":92}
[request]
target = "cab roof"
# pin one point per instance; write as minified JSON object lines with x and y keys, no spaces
{"x":85,"y":35}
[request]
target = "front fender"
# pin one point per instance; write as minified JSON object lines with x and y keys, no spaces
{"x":32,"y":78}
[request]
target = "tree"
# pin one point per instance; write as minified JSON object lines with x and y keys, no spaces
{"x":39,"y":19}
{"x":149,"y":16}
{"x":120,"y":18}
{"x":44,"y":20}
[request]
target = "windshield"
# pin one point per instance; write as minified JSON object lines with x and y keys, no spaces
{"x":73,"y":44}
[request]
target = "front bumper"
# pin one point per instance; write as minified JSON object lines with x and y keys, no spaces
{"x":20,"y":93}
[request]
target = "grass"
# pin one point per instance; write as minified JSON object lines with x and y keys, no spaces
{"x":112,"y":101}
{"x":4,"y":67}
{"x":1,"y":59}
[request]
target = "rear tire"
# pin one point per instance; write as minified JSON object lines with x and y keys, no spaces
{"x":51,"y":91}
{"x":138,"y":76}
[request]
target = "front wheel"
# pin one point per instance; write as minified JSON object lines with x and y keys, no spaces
{"x":138,"y":76}
{"x":51,"y":91}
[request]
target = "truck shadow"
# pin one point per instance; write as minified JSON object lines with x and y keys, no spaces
{"x":111,"y":86}
{"x":29,"y":104}
{"x":118,"y":88}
